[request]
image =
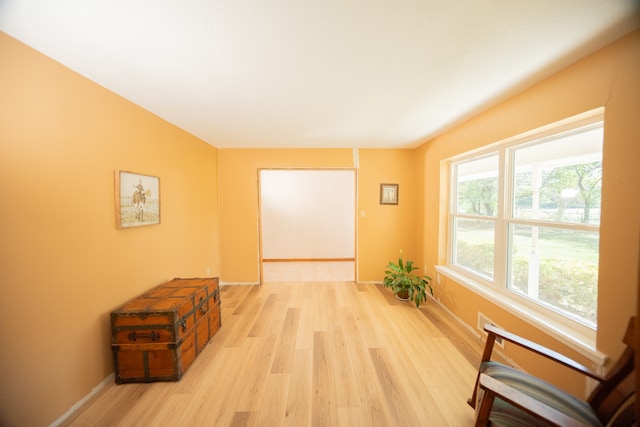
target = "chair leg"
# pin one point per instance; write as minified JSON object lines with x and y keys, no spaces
{"x":486,"y":356}
{"x":483,"y":412}
{"x":474,"y":397}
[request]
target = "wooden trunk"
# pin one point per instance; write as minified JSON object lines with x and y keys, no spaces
{"x":158,"y":335}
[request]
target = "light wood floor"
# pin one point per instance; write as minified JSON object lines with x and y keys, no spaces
{"x":309,"y":354}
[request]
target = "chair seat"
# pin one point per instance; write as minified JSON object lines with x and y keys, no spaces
{"x":504,"y":414}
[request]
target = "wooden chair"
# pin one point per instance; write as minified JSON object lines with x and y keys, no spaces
{"x":505,"y":396}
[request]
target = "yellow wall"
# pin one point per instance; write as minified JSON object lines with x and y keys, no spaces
{"x":64,"y":265}
{"x":608,"y":78}
{"x":385,"y":230}
{"x":381,"y":233}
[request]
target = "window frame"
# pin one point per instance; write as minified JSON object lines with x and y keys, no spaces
{"x":574,"y":333}
{"x":453,"y":215}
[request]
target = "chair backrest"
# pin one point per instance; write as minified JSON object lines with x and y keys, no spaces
{"x":614,"y":399}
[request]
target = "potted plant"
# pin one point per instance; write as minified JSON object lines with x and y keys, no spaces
{"x":404,"y":283}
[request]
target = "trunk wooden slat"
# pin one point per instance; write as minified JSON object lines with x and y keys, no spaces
{"x":157,"y":335}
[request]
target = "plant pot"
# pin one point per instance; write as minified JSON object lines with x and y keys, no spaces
{"x":403,"y":295}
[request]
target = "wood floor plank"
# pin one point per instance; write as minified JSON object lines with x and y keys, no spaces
{"x":255,"y":372}
{"x":143,"y":413}
{"x":401,"y":411}
{"x":266,"y":317}
{"x":304,"y":338}
{"x":248,"y":315}
{"x":352,"y":416}
{"x":416,"y":391}
{"x":374,"y":407}
{"x":309,"y":354}
{"x":323,"y":404}
{"x":108,"y":407}
{"x":208,"y":406}
{"x":170,"y":413}
{"x":298,"y":412}
{"x":344,"y":375}
{"x":234,"y":297}
{"x":285,"y":348}
{"x":370,"y":319}
{"x":274,"y":402}
{"x":241,"y":419}
{"x":454,"y":414}
{"x":321,"y":319}
{"x":252,"y":293}
{"x":300,"y":292}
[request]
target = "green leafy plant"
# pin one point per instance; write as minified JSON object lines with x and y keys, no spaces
{"x":401,"y":279}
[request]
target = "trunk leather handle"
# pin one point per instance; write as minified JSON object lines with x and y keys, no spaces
{"x":153,"y":335}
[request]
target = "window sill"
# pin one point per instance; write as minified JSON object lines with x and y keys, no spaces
{"x":573,"y":338}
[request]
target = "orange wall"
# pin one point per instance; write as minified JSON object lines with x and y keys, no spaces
{"x":64,"y":265}
{"x":608,"y":78}
{"x":381,"y":233}
{"x":385,"y":230}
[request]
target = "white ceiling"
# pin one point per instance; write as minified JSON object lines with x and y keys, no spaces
{"x":316,"y":73}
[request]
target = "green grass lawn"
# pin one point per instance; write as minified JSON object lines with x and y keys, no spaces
{"x":568,"y":263}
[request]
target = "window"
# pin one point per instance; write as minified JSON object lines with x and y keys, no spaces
{"x":474,"y":220}
{"x":524,"y":219}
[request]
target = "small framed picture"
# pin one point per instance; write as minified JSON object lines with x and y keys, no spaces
{"x":389,"y":194}
{"x":137,"y":199}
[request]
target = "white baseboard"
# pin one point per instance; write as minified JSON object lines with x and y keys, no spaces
{"x":473,"y":332}
{"x":239,"y":283}
{"x":82,"y":401}
{"x":477,"y":334}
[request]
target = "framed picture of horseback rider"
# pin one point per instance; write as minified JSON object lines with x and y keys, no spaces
{"x":137,"y":199}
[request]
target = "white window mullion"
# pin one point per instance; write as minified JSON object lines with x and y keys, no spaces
{"x":452,"y":210}
{"x":500,"y":246}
